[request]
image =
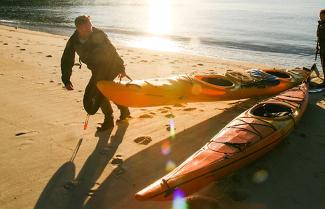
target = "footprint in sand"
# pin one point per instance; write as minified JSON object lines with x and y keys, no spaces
{"x":5,"y":43}
{"x":189,"y":109}
{"x":152,"y":113}
{"x":168,"y":128}
{"x":200,"y":64}
{"x":145,"y":116}
{"x":49,"y":55}
{"x":170,"y":116}
{"x":164,"y":111}
{"x":25,"y":144}
{"x":144,"y":140}
{"x":169,"y":108}
{"x":117,"y":161}
{"x":22,"y":49}
{"x":179,"y":105}
{"x":28,"y":133}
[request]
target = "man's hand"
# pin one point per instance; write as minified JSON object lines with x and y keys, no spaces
{"x":122,"y":75}
{"x":69,"y":86}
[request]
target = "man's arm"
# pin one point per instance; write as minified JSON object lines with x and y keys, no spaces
{"x":67,"y":62}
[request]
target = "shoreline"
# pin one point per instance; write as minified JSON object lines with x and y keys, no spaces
{"x":41,"y":124}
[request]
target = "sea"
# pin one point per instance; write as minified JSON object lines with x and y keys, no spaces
{"x":273,"y":32}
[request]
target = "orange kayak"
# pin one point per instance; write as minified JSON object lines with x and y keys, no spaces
{"x":202,"y":88}
{"x":246,"y":138}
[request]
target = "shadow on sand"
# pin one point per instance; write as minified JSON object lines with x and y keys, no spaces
{"x":64,"y":191}
{"x":295,"y":169}
{"x":148,"y":165}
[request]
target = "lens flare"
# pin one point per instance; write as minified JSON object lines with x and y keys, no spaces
{"x":170,"y":166}
{"x":172,"y":128}
{"x":165,"y":148}
{"x":179,"y":202}
{"x":260,"y":176}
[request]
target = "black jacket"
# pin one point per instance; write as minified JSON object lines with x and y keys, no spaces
{"x":97,"y":53}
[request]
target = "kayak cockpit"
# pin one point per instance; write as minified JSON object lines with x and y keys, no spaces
{"x":271,"y":110}
{"x":278,"y":74}
{"x":215,"y":81}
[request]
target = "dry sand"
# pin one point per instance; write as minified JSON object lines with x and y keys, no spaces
{"x":41,"y":124}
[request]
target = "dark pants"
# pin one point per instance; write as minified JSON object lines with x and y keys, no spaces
{"x":94,"y":99}
{"x":106,"y":108}
{"x":322,"y":60}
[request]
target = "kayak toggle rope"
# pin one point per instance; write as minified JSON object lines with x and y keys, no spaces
{"x":86,"y":122}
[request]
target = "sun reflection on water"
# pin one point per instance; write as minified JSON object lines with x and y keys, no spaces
{"x":158,"y":27}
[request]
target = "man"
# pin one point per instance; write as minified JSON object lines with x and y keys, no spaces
{"x":321,"y":39}
{"x":100,"y":56}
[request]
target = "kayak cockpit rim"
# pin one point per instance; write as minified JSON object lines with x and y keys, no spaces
{"x":273,"y":111}
{"x":278,"y":74}
{"x":215,"y":81}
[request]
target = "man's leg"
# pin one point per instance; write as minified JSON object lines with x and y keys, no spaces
{"x":322,"y":60}
{"x":106,"y":108}
{"x":125,"y":112}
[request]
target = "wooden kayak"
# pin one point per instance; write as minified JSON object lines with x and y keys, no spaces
{"x":246,"y":138}
{"x":202,"y":88}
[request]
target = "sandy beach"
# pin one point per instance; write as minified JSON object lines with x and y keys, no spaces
{"x":41,"y":124}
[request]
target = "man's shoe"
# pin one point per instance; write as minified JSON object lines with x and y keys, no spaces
{"x":107,"y":124}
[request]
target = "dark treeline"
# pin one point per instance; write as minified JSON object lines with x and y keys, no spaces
{"x":45,"y":2}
